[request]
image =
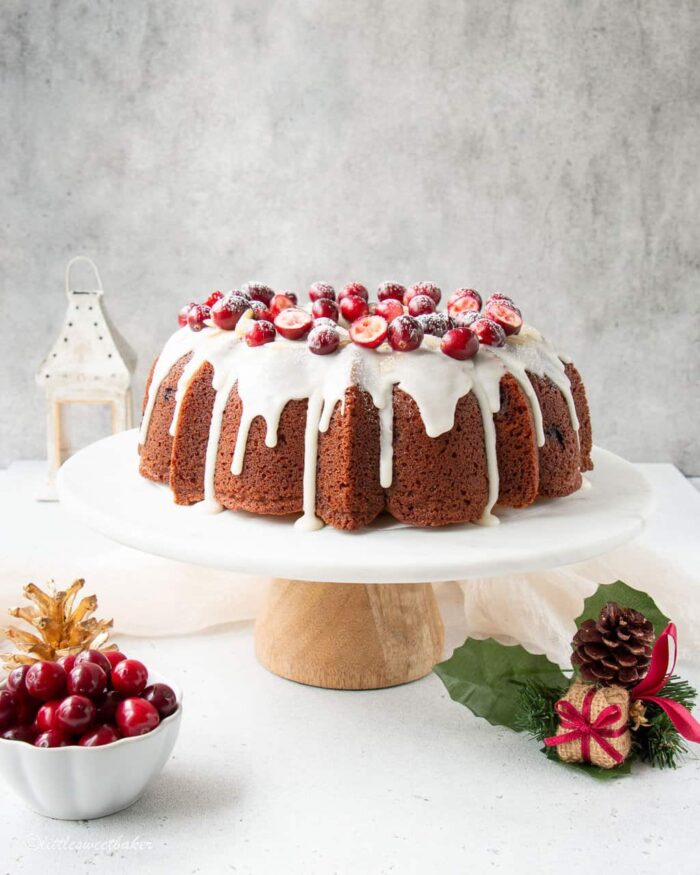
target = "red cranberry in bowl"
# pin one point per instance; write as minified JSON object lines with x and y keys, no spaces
{"x":391,"y":292}
{"x":421,"y":304}
{"x":46,"y":716}
{"x":369,"y":331}
{"x":130,"y":676}
{"x":114,"y":656}
{"x":317,"y":291}
{"x":489,"y":332}
{"x":435,"y":324}
{"x":45,"y":680}
{"x":95,"y":656}
{"x":293,"y":323}
{"x":87,"y":679}
{"x":107,"y":706}
{"x":424,"y":288}
{"x":53,"y":738}
{"x":162,"y":697}
{"x":353,"y":307}
{"x":226,"y":312}
{"x":16,"y":680}
{"x":405,"y":334}
{"x":98,"y":736}
{"x":388,"y":309}
{"x":323,"y":340}
{"x":75,"y":715}
{"x":67,"y":662}
{"x":460,"y":343}
{"x":9,"y":709}
{"x":282,"y":301}
{"x":136,"y":717}
{"x":504,"y":314}
{"x":356,"y":289}
{"x":325,"y":308}
{"x":197,"y":316}
{"x":259,"y":292}
{"x":26,"y":733}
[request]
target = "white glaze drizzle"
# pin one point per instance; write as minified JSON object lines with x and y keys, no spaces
{"x":268,"y":377}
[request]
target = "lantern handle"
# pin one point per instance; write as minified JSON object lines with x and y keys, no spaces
{"x":92,"y":264}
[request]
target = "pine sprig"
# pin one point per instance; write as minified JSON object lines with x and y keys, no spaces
{"x":536,"y":714}
{"x":659,"y":743}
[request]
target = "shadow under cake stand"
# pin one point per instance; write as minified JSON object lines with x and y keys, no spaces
{"x":351,"y":610}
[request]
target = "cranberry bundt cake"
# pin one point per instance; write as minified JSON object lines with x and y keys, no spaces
{"x":350,"y":409}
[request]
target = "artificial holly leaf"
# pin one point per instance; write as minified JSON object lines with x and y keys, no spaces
{"x":626,"y":597}
{"x":486,"y":677}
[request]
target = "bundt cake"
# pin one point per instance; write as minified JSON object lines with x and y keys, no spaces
{"x":354,"y":409}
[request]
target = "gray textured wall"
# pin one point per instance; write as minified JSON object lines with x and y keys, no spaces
{"x":546,"y":149}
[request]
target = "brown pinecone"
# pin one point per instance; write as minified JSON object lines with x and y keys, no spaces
{"x":615,"y":649}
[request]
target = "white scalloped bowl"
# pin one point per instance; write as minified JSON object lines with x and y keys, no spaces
{"x":83,"y":783}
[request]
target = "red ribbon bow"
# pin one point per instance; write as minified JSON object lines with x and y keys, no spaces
{"x":582,"y":728}
{"x":656,"y":679}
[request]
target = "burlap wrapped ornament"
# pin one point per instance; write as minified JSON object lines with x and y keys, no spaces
{"x":593,"y":725}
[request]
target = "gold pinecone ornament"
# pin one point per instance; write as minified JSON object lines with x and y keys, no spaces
{"x":62,"y":628}
{"x":615,"y":648}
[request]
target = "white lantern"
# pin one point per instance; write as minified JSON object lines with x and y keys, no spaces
{"x":84,"y":366}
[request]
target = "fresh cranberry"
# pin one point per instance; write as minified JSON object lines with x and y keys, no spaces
{"x":259,"y":292}
{"x":429,"y":289}
{"x":25,"y":733}
{"x":257,"y":334}
{"x":489,"y":332}
{"x":228,"y":311}
{"x":197,"y":315}
{"x":317,"y":291}
{"x":162,"y":697}
{"x":136,"y":717}
{"x":323,"y":340}
{"x":15,"y":679}
{"x":98,"y":736}
{"x":96,"y":657}
{"x":465,"y":318}
{"x":184,"y":313}
{"x":463,"y":300}
{"x":369,"y":331}
{"x":46,"y":716}
{"x":46,"y":680}
{"x":293,"y":323}
{"x":67,"y":662}
{"x":75,"y":715}
{"x":497,"y":296}
{"x":389,"y":309}
{"x":353,"y":289}
{"x":405,"y":334}
{"x":353,"y":307}
{"x":107,"y":706}
{"x":504,"y":314}
{"x":391,"y":292}
{"x":27,"y":708}
{"x":53,"y":738}
{"x":324,"y":308}
{"x":460,"y":343}
{"x":130,"y":676}
{"x":87,"y":679}
{"x":282,"y":302}
{"x":213,"y":298}
{"x":435,"y":323}
{"x":421,"y":304}
{"x":260,"y":311}
{"x":9,"y":708}
{"x":323,"y":322}
{"x":114,"y":657}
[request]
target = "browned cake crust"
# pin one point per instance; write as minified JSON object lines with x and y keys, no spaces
{"x":559,"y":458}
{"x":157,"y":448}
{"x":442,"y":480}
{"x":585,"y":435}
{"x":271,"y":481}
{"x":516,"y":447}
{"x":189,"y":448}
{"x":348,"y":492}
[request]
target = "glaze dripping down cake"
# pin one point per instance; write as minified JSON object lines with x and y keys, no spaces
{"x":353,"y":409}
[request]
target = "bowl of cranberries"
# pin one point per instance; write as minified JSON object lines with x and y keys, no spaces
{"x":83,"y":737}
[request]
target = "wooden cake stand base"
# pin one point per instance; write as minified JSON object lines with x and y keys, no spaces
{"x":349,"y":636}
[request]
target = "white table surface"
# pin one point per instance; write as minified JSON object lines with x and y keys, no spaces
{"x":270,"y":776}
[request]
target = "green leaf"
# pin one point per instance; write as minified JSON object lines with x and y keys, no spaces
{"x":626,"y":597}
{"x":589,"y":769}
{"x":486,"y":677}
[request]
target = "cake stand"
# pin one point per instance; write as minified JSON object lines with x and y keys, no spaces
{"x":351,"y":610}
